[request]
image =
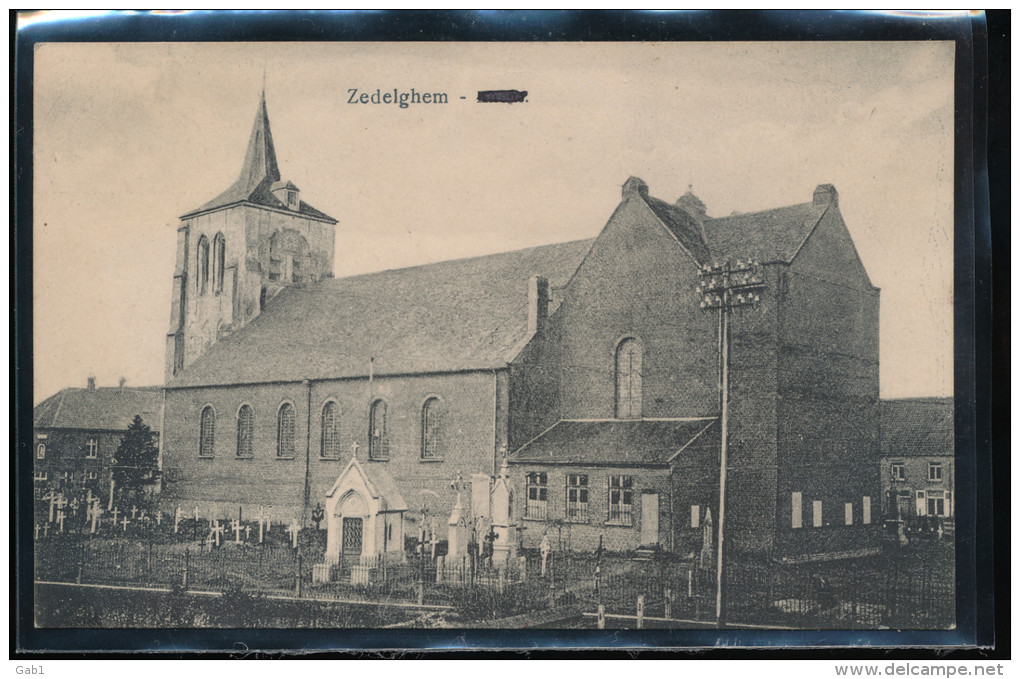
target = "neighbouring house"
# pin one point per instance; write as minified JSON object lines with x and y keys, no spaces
{"x":588,"y":364}
{"x":918,"y":463}
{"x":77,"y":431}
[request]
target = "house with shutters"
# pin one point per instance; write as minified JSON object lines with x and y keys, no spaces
{"x":76,"y":432}
{"x":918,"y":464}
{"x":586,"y":369}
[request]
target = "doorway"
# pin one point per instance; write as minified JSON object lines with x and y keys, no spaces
{"x":352,"y":538}
{"x":649,"y":519}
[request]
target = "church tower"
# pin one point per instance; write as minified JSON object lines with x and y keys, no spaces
{"x":240,"y":249}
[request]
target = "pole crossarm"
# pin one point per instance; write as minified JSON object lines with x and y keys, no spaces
{"x":730,"y":285}
{"x":724,"y":287}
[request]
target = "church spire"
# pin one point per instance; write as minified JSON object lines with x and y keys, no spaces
{"x":260,"y":158}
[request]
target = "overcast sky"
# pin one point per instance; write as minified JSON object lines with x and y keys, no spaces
{"x":130,"y":136}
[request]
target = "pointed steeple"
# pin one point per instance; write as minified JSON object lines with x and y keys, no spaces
{"x":259,"y":181}
{"x":260,"y":158}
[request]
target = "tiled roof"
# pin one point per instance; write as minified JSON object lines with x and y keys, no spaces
{"x":456,"y":315}
{"x":106,"y":408}
{"x":917,"y":427}
{"x":685,"y":227}
{"x":259,"y":174}
{"x":768,"y":236}
{"x":637,"y":442}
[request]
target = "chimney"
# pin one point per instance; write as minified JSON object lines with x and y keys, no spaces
{"x":538,"y":304}
{"x":91,"y":383}
{"x":825,"y":194}
{"x":634,"y":186}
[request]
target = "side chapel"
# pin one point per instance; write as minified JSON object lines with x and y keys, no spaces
{"x":584,"y":371}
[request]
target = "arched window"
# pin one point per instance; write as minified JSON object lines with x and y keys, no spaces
{"x":285,"y":431}
{"x":628,"y":378}
{"x":378,"y":438}
{"x":207,"y":432}
{"x":203,"y":264}
{"x":431,"y":421}
{"x":219,"y":261}
{"x":245,"y":430}
{"x":330,"y":430}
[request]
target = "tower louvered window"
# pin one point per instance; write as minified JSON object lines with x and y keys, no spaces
{"x":203,"y":265}
{"x":219,"y":261}
{"x":378,"y":438}
{"x":628,"y":379}
{"x":207,"y":432}
{"x":285,"y":431}
{"x":431,"y":426}
{"x":245,"y":430}
{"x":330,"y":430}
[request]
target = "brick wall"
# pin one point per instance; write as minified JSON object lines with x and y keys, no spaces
{"x":828,"y":389}
{"x":584,"y":536}
{"x":637,"y":281}
{"x":219,"y":484}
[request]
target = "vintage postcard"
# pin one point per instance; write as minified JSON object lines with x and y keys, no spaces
{"x":649,"y":335}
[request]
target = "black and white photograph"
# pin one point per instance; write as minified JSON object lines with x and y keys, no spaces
{"x":503,"y":335}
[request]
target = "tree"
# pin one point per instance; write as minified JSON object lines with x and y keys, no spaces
{"x":135,"y":463}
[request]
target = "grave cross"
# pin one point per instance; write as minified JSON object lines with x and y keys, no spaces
{"x":263,"y":521}
{"x":36,"y":531}
{"x":216,"y":531}
{"x":125,"y":522}
{"x":247,"y":531}
{"x":96,"y":512}
{"x":294,"y":529}
{"x":60,"y":519}
{"x":159,"y":517}
{"x":177,"y":518}
{"x":134,"y":512}
{"x":90,"y":498}
{"x":115,"y":512}
{"x":46,"y":529}
{"x":51,"y":497}
{"x":237,"y":531}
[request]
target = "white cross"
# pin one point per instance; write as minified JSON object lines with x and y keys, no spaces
{"x":237,"y":531}
{"x":216,"y":530}
{"x":134,"y":511}
{"x":60,"y":520}
{"x":96,"y":512}
{"x":90,"y":499}
{"x":51,"y":497}
{"x":116,"y":513}
{"x":247,"y":529}
{"x":124,"y":522}
{"x":177,"y":518}
{"x":294,"y":530}
{"x":159,"y":517}
{"x":354,"y":449}
{"x":36,"y":531}
{"x":263,"y":521}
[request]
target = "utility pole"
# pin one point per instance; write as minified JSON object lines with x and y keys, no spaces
{"x":723,"y":288}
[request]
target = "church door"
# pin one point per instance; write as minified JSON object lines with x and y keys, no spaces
{"x":352,"y":532}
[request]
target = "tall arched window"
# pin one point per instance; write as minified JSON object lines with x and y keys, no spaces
{"x":330,"y":430}
{"x":285,"y":431}
{"x":628,"y":378}
{"x":378,"y":438}
{"x":203,"y":264}
{"x":219,"y":261}
{"x":245,"y":430}
{"x":431,"y":420}
{"x":207,"y":432}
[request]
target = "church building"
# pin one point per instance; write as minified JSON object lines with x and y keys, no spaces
{"x":586,"y":371}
